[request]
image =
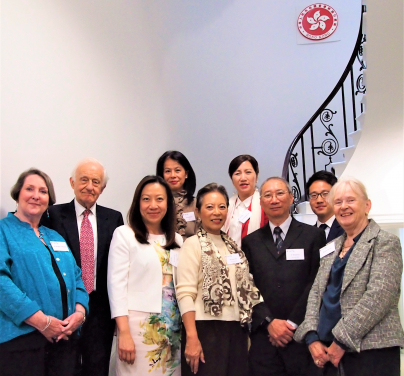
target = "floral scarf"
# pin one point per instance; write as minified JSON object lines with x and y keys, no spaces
{"x":216,"y":287}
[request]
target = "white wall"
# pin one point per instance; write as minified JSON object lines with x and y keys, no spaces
{"x":124,"y":81}
{"x":378,"y":160}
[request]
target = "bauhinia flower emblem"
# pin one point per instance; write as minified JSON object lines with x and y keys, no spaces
{"x":317,"y":21}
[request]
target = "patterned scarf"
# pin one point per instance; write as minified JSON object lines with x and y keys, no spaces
{"x":179,"y":199}
{"x":216,"y":287}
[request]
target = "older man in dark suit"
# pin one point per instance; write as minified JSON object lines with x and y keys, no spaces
{"x":318,"y":187}
{"x":284,"y":259}
{"x":87,"y":228}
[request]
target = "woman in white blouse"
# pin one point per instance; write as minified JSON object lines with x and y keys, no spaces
{"x":141,"y":287}
{"x":245,"y":212}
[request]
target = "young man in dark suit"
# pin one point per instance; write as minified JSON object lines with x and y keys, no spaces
{"x":284,"y":259}
{"x":87,"y":228}
{"x":318,"y":187}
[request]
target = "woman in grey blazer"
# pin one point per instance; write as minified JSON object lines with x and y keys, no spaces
{"x":352,"y":326}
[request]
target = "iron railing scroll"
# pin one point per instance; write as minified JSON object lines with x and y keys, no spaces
{"x":316,"y":145}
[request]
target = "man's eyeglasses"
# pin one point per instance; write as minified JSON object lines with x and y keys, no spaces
{"x":314,"y":196}
{"x":269,"y":196}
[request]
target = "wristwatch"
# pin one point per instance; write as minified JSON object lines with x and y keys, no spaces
{"x":267,"y":321}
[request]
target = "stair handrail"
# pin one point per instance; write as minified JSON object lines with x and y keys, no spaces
{"x":360,"y":40}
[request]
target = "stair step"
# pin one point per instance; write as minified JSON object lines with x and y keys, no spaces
{"x":339,"y":168}
{"x":355,"y":136}
{"x":347,"y":153}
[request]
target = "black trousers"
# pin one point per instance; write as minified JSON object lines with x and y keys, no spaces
{"x":95,"y":342}
{"x":225,"y":346}
{"x":268,"y":360}
{"x":32,"y":355}
{"x":377,"y":362}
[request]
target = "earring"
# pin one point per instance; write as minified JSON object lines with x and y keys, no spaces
{"x":16,"y":206}
{"x":47,"y":213}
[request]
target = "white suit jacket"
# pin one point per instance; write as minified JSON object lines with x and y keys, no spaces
{"x":135,"y":275}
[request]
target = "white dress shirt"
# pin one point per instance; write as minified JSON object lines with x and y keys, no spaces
{"x":235,"y":225}
{"x":284,"y":227}
{"x":328,"y":223}
{"x":92,"y":217}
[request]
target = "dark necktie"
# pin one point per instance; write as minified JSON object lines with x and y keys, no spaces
{"x":323,"y":226}
{"x":278,"y":238}
{"x":87,"y":252}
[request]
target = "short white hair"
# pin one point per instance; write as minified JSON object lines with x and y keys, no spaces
{"x":357,"y":186}
{"x":93,"y":161}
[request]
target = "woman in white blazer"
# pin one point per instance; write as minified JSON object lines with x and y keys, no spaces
{"x":140,"y":284}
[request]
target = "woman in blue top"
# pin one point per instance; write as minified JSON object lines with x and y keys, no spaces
{"x":42,"y":297}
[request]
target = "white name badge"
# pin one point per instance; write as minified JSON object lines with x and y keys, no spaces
{"x":189,"y":217}
{"x":232,"y":259}
{"x":59,"y":246}
{"x":174,"y":255}
{"x":295,"y":254}
{"x":245,"y":216}
{"x":329,"y":248}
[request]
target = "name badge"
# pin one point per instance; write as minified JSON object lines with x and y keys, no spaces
{"x":295,"y":254}
{"x":329,"y":248}
{"x":174,"y":255}
{"x":245,"y":216}
{"x":189,"y":217}
{"x":59,"y":246}
{"x":233,"y":258}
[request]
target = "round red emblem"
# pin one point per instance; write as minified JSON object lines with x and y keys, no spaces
{"x":317,"y":21}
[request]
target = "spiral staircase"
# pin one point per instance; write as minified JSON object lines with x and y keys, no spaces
{"x":328,"y":139}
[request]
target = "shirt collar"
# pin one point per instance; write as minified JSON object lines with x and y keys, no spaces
{"x":80,"y":208}
{"x":246,"y":202}
{"x":284,"y":226}
{"x":328,"y":223}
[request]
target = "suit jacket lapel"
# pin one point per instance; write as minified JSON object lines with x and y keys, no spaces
{"x":335,"y":231}
{"x":70,"y":224}
{"x":358,"y":256}
{"x":268,"y":240}
{"x":294,"y":232}
{"x":326,"y":265}
{"x":102,"y":227}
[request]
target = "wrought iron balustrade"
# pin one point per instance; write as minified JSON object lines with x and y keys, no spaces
{"x":317,"y":144}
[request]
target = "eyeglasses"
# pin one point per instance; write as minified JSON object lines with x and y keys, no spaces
{"x":313,"y":196}
{"x":269,"y":196}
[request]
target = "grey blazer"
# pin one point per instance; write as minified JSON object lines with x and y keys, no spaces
{"x":369,"y":295}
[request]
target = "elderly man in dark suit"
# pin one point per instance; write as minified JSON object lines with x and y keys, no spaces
{"x":284,"y":259}
{"x":318,"y":187}
{"x":87,"y":228}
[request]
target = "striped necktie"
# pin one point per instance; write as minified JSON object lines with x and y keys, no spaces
{"x":278,"y":238}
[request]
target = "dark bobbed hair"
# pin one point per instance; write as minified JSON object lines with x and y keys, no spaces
{"x":190,"y":181}
{"x":236,"y":162}
{"x":135,"y":219}
{"x":211,"y":187}
{"x":16,"y":189}
{"x":326,"y":176}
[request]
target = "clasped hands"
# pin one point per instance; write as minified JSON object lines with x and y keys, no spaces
{"x":280,"y":332}
{"x":62,"y":329}
{"x":322,"y":354}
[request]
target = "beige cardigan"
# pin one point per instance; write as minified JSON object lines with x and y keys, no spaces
{"x":190,"y":278}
